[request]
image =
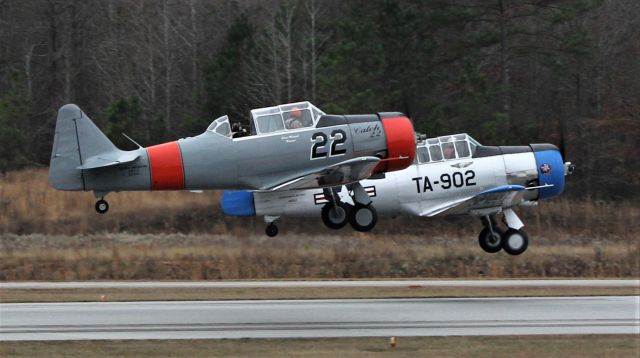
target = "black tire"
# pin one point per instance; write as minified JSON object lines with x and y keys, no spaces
{"x":333,"y":221}
{"x":363,"y":218}
{"x":490,"y":242}
{"x":515,"y":242}
{"x":271,"y":230}
{"x":102,"y":206}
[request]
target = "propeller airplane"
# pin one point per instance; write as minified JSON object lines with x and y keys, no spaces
{"x":452,"y":175}
{"x":290,"y":146}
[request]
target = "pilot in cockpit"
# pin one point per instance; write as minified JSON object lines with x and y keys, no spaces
{"x":297,"y":118}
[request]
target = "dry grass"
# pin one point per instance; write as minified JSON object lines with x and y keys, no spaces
{"x":51,"y":235}
{"x":500,"y":346}
{"x":28,"y":205}
{"x":204,"y":257}
{"x":191,"y":294}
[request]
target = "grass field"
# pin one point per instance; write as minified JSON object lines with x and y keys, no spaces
{"x":52,"y":235}
{"x":66,"y":295}
{"x":29,"y":205}
{"x":227,"y":257}
{"x":500,"y":346}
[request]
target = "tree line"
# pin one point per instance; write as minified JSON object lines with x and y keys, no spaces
{"x":505,"y":71}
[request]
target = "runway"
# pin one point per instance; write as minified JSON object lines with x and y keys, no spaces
{"x":320,"y":318}
{"x":318,"y":284}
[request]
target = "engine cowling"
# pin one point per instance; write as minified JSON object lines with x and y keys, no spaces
{"x":401,"y":142}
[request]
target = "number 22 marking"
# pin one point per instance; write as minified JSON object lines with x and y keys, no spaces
{"x":338,"y":137}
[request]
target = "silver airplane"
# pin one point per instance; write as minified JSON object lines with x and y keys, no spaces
{"x":452,"y":175}
{"x":291,"y":146}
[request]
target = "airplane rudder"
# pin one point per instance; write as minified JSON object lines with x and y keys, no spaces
{"x":65,"y":154}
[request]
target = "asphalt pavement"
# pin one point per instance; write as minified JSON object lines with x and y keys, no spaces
{"x":318,"y":284}
{"x":320,"y":318}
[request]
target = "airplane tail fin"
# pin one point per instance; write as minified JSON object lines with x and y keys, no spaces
{"x":76,"y":139}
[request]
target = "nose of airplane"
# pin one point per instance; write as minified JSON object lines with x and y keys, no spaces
{"x":550,"y":170}
{"x":401,"y":141}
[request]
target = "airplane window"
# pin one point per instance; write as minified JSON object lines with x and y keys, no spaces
{"x":474,"y":146}
{"x":423,"y":155}
{"x":316,"y":114}
{"x":270,"y":123}
{"x":462,"y":148}
{"x":293,"y":106}
{"x":297,"y":118}
{"x":224,"y":129}
{"x":436,"y":153}
{"x":448,"y":150}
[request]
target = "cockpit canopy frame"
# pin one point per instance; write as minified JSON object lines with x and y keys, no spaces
{"x":285,"y":117}
{"x":221,"y":126}
{"x":449,"y":147}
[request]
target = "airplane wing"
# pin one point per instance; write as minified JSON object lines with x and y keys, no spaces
{"x":109,"y":159}
{"x":499,"y":197}
{"x":349,"y":171}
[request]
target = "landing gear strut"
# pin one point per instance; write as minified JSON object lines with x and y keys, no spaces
{"x":362,"y":216}
{"x":102,"y":206}
{"x":490,"y":238}
{"x":513,"y":241}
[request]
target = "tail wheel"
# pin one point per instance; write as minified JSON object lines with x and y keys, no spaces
{"x":515,"y":242}
{"x":490,"y":241}
{"x":363,"y":218}
{"x":271,"y":230}
{"x":335,"y":216}
{"x":102,"y":206}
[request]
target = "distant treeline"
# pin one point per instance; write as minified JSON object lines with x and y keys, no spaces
{"x":505,"y":71}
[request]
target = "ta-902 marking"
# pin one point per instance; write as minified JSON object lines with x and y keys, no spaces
{"x":446,"y":181}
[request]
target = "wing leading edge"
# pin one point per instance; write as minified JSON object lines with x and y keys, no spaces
{"x":499,"y":197}
{"x":349,"y":171}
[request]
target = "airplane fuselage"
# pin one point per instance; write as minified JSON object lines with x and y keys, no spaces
{"x":423,"y":188}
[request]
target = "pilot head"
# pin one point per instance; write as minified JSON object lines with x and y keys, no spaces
{"x":296,"y":112}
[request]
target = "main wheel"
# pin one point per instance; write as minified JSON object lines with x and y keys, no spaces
{"x":490,"y":242}
{"x":335,"y":216}
{"x":102,"y":206}
{"x":514,"y":242}
{"x":271,"y":230}
{"x":363,"y":218}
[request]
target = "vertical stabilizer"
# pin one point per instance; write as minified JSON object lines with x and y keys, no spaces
{"x":76,"y":139}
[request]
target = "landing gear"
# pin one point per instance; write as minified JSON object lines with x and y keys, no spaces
{"x":271,"y":230}
{"x":515,"y":242}
{"x":335,"y":216}
{"x":363,"y":218}
{"x":102,"y":206}
{"x":490,"y":241}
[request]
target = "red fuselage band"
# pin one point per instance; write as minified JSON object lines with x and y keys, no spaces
{"x":165,"y":161}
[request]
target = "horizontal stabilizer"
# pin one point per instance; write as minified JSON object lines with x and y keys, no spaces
{"x":109,"y":159}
